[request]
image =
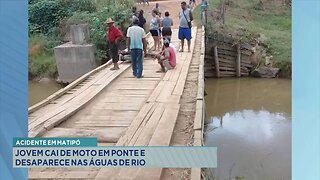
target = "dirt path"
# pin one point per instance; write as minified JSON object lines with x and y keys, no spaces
{"x":172,"y":6}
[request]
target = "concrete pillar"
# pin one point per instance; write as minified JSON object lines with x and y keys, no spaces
{"x":79,"y":33}
{"x":74,"y":60}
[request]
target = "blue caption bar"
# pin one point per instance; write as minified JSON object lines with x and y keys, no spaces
{"x":115,"y":156}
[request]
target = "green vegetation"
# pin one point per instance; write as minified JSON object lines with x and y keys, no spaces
{"x":269,"y":21}
{"x":50,"y":20}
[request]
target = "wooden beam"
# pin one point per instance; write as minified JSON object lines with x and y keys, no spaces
{"x":216,"y":61}
{"x":238,"y":67}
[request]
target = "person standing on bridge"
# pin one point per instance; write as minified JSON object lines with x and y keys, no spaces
{"x":185,"y":18}
{"x":114,"y":35}
{"x":156,"y":8}
{"x":136,"y":42}
{"x":166,"y":26}
{"x":203,"y":12}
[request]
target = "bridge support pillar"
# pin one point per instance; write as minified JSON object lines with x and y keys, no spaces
{"x":75,"y":58}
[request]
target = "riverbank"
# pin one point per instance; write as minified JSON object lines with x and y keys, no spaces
{"x":266,"y":23}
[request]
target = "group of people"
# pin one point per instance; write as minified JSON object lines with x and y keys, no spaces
{"x":159,"y":27}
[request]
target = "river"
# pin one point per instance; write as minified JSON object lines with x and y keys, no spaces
{"x":249,"y":121}
{"x":38,"y":91}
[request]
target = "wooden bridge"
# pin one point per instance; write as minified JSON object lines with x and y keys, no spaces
{"x":161,"y":109}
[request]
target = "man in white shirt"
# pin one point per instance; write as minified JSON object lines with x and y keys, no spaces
{"x":136,"y":42}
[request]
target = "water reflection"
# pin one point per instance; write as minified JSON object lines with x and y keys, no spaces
{"x":39,"y":91}
{"x":250,"y":123}
{"x":230,"y":95}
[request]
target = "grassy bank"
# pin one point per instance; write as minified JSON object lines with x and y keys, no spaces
{"x":49,"y":22}
{"x":41,"y":58}
{"x":268,"y":21}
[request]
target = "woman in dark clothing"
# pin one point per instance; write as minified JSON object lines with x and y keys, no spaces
{"x":142,"y":20}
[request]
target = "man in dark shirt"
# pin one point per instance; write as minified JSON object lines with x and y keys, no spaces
{"x":114,"y":34}
{"x":142,"y":20}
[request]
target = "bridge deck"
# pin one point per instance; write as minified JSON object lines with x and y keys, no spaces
{"x":119,"y":110}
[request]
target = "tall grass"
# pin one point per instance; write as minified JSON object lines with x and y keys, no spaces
{"x":41,"y":58}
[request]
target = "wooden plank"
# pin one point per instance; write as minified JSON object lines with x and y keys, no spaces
{"x":177,"y":73}
{"x":227,"y":69}
{"x":198,"y":116}
{"x":140,"y":174}
{"x":145,"y":110}
{"x":133,"y":87}
{"x":227,"y":65}
{"x":37,"y":173}
{"x":232,"y":73}
{"x":164,"y":130}
{"x":67,"y":88}
{"x":238,"y":61}
{"x":87,"y":88}
{"x":228,"y":53}
{"x":227,"y":57}
{"x":200,"y":92}
{"x":97,"y":113}
{"x":233,"y":49}
{"x":103,"y":134}
{"x":161,"y":137}
{"x":151,"y":125}
{"x":166,"y":92}
{"x":178,"y":90}
{"x":156,"y":92}
{"x":78,"y":103}
{"x":245,"y":59}
{"x":233,"y":61}
{"x":124,"y":106}
{"x":183,"y":76}
{"x":167,"y":75}
{"x":62,"y":173}
{"x":143,"y":116}
{"x":227,"y":47}
{"x":197,"y":137}
{"x":105,"y":144}
{"x":195,"y":174}
{"x":101,"y":118}
{"x":137,"y":92}
{"x":216,"y":62}
{"x":122,"y":99}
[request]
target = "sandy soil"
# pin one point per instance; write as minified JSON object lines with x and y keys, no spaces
{"x":172,"y":6}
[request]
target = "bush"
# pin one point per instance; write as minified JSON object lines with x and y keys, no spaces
{"x":33,"y":1}
{"x":43,"y":66}
{"x":40,"y":43}
{"x":120,"y":13}
{"x":45,"y":15}
{"x":41,"y":57}
{"x":78,"y":5}
{"x":80,"y":18}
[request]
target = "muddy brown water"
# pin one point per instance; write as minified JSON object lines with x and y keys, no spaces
{"x":249,"y":121}
{"x":38,"y":91}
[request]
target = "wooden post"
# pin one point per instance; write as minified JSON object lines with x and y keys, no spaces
{"x":216,"y":61}
{"x":238,"y":61}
